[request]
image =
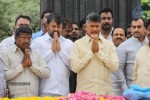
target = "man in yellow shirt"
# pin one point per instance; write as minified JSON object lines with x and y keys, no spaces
{"x":92,"y":58}
{"x":23,"y":66}
{"x":141,"y":72}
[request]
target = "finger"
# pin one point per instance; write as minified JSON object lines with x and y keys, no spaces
{"x":55,"y":35}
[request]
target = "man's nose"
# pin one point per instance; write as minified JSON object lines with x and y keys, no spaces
{"x":56,"y":29}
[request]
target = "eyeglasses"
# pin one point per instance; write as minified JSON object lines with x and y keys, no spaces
{"x":24,"y":38}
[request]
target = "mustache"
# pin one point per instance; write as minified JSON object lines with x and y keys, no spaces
{"x":52,"y":34}
{"x":106,"y":24}
{"x":118,"y":39}
{"x":74,"y":33}
{"x":136,"y":32}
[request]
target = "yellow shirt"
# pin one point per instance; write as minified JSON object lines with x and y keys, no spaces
{"x":141,"y":73}
{"x":93,"y":70}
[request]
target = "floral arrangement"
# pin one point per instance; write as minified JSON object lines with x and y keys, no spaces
{"x":82,"y":95}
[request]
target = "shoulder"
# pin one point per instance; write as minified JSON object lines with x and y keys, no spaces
{"x":37,"y":34}
{"x":68,"y":41}
{"x":39,"y":39}
{"x":126,"y":44}
{"x":7,"y":40}
{"x":81,"y":40}
{"x":143,"y":49}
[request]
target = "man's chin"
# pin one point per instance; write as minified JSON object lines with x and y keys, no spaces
{"x":106,"y":28}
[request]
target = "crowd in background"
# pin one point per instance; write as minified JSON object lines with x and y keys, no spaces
{"x":65,"y":57}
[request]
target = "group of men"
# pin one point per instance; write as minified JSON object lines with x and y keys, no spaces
{"x":101,"y":62}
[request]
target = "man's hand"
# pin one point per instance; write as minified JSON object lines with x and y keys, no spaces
{"x":56,"y":44}
{"x":95,"y":46}
{"x":58,"y":48}
{"x":28,"y":58}
{"x":26,"y":62}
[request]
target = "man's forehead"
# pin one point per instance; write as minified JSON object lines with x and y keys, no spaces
{"x":139,"y":21}
{"x":106,"y":14}
{"x":46,"y":15}
{"x":22,"y":21}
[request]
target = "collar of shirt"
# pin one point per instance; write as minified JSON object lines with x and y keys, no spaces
{"x":136,"y":39}
{"x":147,"y":44}
{"x":110,"y":34}
{"x":15,"y":48}
{"x":47,"y":37}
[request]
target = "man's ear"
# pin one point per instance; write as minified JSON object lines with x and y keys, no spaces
{"x":15,"y":37}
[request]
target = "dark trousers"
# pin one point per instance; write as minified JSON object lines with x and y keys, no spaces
{"x":72,"y":82}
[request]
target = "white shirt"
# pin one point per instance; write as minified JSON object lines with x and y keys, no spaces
{"x":110,"y":35}
{"x":8,"y":41}
{"x":59,"y":63}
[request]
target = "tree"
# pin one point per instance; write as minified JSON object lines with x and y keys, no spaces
{"x":10,"y":9}
{"x":146,"y":8}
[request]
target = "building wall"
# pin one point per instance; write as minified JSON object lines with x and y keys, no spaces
{"x":75,"y":10}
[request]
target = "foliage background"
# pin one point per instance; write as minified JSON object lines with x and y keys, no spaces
{"x":146,"y":8}
{"x":10,"y":9}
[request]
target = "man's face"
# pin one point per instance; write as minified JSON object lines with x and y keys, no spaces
{"x":118,"y":36}
{"x":23,"y":41}
{"x":138,"y":29}
{"x":93,"y":29}
{"x":44,"y":23}
{"x":75,"y":31}
{"x":44,"y":20}
{"x":148,"y":32}
{"x":54,"y":27}
{"x":22,"y":22}
{"x":67,"y":30}
{"x":129,"y":33}
{"x":106,"y":21}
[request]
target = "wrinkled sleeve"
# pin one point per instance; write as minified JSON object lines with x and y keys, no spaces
{"x":135,"y":69}
{"x":78,"y":62}
{"x":46,"y":55}
{"x":10,"y":73}
{"x":40,"y":68}
{"x":121,"y":52}
{"x":110,"y":60}
{"x":65,"y":55}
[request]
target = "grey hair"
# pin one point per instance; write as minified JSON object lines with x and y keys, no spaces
{"x":93,"y":17}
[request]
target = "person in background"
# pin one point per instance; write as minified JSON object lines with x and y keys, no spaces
{"x":141,"y":72}
{"x":75,"y":35}
{"x":66,"y":28}
{"x":93,"y":58}
{"x":128,"y":31}
{"x":106,"y":15}
{"x":44,"y":29}
{"x":21,"y":20}
{"x":24,"y":72}
{"x":55,"y":50}
{"x":126,"y":52}
{"x":118,"y":36}
{"x":82,"y":27}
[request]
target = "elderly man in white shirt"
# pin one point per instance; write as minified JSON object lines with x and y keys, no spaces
{"x":55,"y":49}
